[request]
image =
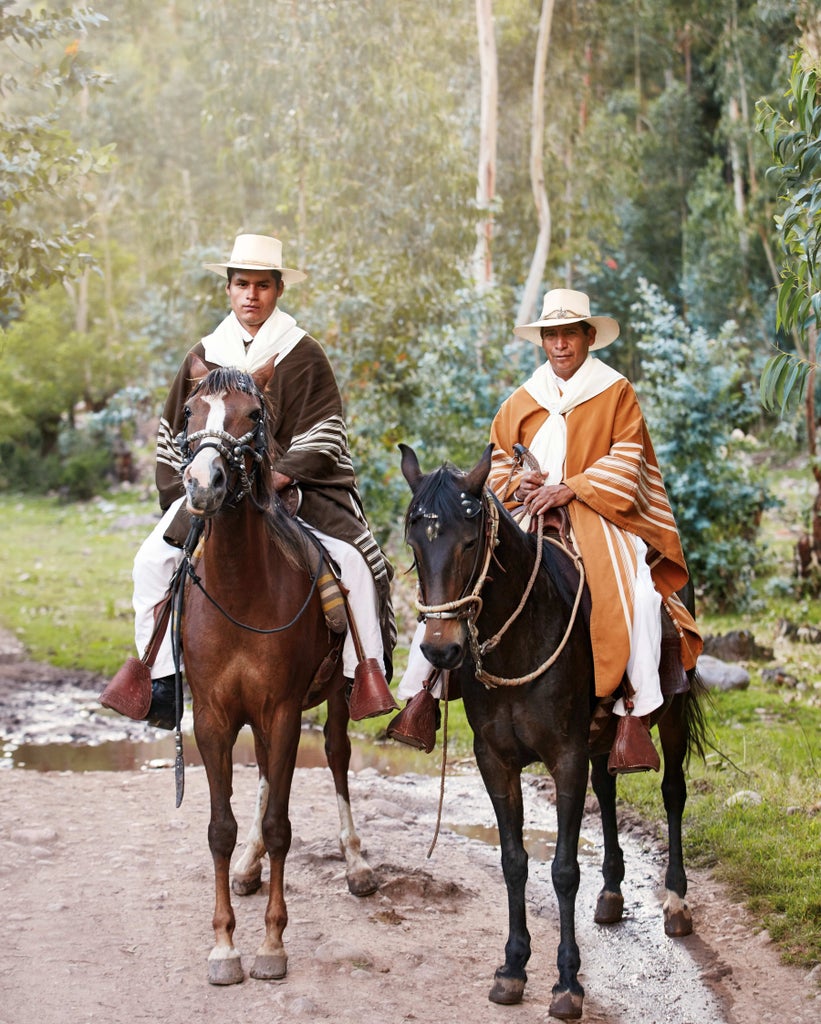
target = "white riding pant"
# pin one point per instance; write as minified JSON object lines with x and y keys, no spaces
{"x":156,"y":561}
{"x":645,"y":640}
{"x":642,"y":665}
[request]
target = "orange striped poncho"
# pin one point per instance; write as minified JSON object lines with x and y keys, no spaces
{"x":611,"y":467}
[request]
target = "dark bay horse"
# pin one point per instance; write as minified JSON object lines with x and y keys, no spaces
{"x":525,"y":673}
{"x":257,"y":651}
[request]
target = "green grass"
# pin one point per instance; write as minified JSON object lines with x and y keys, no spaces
{"x":768,"y":853}
{"x":66,"y":593}
{"x":66,"y":571}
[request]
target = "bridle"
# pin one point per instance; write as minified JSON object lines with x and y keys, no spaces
{"x":468,"y":607}
{"x":232,"y":449}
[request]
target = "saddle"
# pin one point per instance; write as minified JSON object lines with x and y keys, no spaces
{"x":556,"y":524}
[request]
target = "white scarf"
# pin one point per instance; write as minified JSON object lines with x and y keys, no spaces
{"x":277,"y":336}
{"x":549,"y":446}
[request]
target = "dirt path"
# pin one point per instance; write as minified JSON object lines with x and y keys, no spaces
{"x":107,"y":889}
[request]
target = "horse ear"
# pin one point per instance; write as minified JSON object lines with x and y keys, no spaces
{"x":475,"y":479}
{"x":198,"y":369}
{"x":410,"y":466}
{"x":263,"y":375}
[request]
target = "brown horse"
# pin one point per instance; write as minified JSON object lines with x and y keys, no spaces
{"x":523,"y":666}
{"x":257,"y":651}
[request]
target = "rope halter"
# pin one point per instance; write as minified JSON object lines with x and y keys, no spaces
{"x":469,"y":606}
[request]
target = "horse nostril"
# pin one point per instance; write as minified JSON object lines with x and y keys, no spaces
{"x":443,"y":656}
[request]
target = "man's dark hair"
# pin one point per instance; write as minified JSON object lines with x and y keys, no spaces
{"x":582,"y":323}
{"x":275,"y":274}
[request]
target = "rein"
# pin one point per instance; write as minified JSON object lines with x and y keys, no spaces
{"x":197,"y":582}
{"x":469,"y":607}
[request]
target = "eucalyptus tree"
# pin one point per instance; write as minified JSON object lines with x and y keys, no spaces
{"x":789,"y":377}
{"x":43,"y":235}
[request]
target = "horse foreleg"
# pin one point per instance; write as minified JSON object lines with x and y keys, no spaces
{"x":504,"y":787}
{"x":678,"y":919}
{"x":224,"y":962}
{"x":610,"y":903}
{"x":359,"y":874}
{"x":570,"y":776}
{"x":247,"y":874}
{"x":271,"y":960}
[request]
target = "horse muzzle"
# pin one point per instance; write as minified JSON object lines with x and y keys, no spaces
{"x":445,"y":643}
{"x":205,"y":493}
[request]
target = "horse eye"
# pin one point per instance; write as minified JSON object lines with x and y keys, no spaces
{"x":187,"y":412}
{"x":255,"y":415}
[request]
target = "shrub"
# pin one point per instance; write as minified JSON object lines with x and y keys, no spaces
{"x":699,"y":400}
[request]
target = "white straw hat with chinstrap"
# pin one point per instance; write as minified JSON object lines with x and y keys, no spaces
{"x":257,"y":252}
{"x":563,"y":306}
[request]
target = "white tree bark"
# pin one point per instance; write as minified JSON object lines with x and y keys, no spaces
{"x":486,"y":177}
{"x":530,"y":295}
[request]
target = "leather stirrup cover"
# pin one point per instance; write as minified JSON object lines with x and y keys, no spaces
{"x":415,"y":724}
{"x":370,"y":695}
{"x":129,"y":692}
{"x":633,"y":748}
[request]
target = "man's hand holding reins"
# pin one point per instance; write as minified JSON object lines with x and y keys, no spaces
{"x":538,"y":496}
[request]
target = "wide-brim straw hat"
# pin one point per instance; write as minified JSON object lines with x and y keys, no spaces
{"x":257,"y":252}
{"x":564,"y":306}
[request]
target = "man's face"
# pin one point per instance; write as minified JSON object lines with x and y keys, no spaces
{"x":253,"y":295}
{"x":567,"y":346}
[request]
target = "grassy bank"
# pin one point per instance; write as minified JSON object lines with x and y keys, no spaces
{"x":66,"y":593}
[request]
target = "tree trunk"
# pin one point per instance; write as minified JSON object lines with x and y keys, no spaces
{"x":808,"y":548}
{"x":486,"y":176}
{"x":530,"y":295}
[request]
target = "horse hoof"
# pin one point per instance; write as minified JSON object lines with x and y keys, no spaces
{"x":225,"y":970}
{"x":247,"y":885}
{"x":609,"y":908}
{"x":678,"y":924}
{"x":270,"y":967}
{"x":566,"y":1005}
{"x":507,"y":991}
{"x":362,"y":883}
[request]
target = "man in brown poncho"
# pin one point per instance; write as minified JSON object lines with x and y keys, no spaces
{"x":313,"y":460}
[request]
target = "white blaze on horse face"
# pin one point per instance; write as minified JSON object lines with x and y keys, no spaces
{"x":200,"y":471}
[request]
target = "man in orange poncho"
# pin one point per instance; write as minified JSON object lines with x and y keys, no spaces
{"x":582,"y":422}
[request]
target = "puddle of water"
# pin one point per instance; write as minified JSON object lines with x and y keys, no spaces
{"x":539,"y":843}
{"x":128,"y":755}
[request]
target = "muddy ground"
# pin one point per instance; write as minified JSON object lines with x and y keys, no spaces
{"x":107,"y":892}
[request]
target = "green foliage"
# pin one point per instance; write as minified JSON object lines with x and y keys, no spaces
{"x":50,"y":366}
{"x":438,"y":394}
{"x":698,"y":397}
{"x":81,"y":465}
{"x":783,"y":382}
{"x":793,"y":138}
{"x":40,"y":164}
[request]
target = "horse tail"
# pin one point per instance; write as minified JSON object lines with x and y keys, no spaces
{"x":698,"y":700}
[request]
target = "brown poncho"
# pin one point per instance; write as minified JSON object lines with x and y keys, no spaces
{"x":310,"y":432}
